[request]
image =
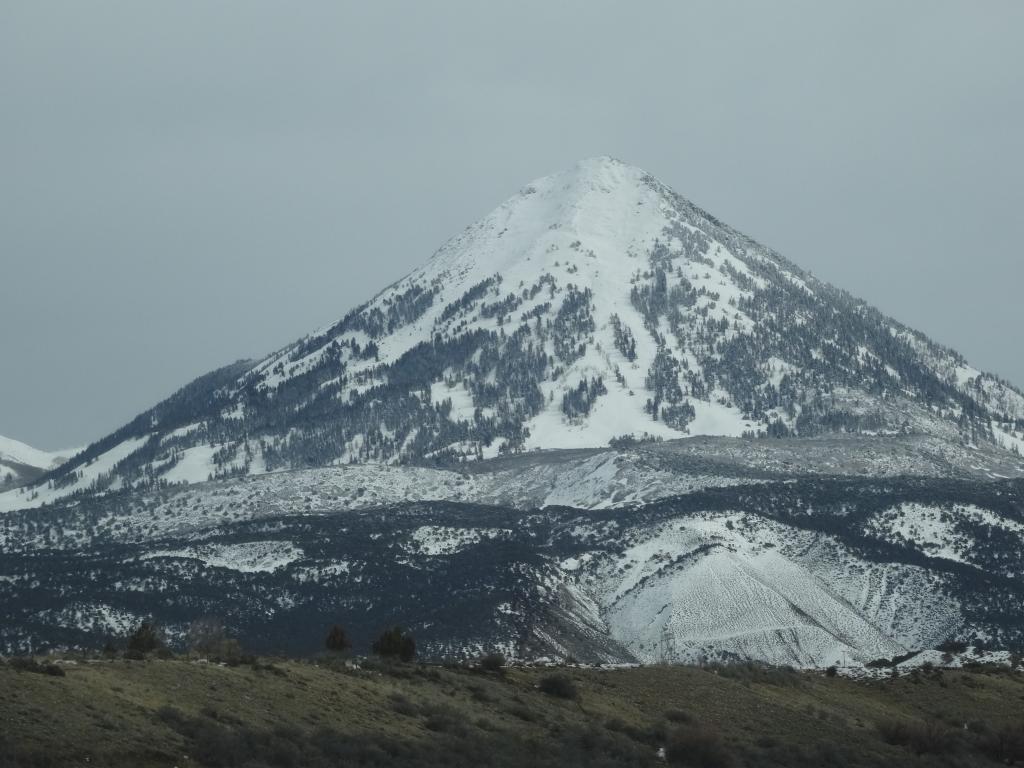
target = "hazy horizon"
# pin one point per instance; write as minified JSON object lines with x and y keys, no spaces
{"x":190,"y":184}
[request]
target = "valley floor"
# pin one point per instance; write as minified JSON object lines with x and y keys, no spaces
{"x":177,"y":712}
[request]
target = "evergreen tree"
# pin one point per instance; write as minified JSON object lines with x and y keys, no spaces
{"x":147,"y":637}
{"x":337,"y":640}
{"x":395,"y":643}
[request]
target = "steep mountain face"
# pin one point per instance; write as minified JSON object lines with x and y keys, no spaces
{"x":21,"y":464}
{"x":595,"y":305}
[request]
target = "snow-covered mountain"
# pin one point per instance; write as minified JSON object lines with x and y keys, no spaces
{"x":21,"y":464}
{"x":598,"y":422}
{"x":594,"y":305}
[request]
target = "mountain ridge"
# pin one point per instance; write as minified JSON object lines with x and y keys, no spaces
{"x":595,"y":304}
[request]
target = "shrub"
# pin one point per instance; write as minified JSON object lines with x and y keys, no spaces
{"x":678,"y":716}
{"x":1004,"y":746}
{"x":560,"y":686}
{"x":481,"y":694}
{"x":951,"y":645}
{"x":172,"y":716}
{"x":110,"y":650}
{"x":694,"y":746}
{"x":523,"y":712}
{"x":23,"y":664}
{"x":831,"y":671}
{"x":28,"y":664}
{"x":208,"y":637}
{"x":929,"y":738}
{"x":230,"y":652}
{"x":751,"y":672}
{"x":895,"y":732}
{"x":146,"y":637}
{"x":401,"y":704}
{"x":395,"y":643}
{"x":493,"y":662}
{"x":337,"y":641}
{"x":205,"y":635}
{"x":445,"y":721}
{"x":932,"y":738}
{"x":213,"y":744}
{"x":651,"y":736}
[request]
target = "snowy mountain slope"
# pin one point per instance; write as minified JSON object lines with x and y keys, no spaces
{"x":723,"y":586}
{"x":585,"y":479}
{"x":21,"y":464}
{"x":796,"y":571}
{"x":963,"y":533}
{"x":594,"y":304}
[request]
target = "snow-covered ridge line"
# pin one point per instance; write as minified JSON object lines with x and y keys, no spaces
{"x":17,"y":452}
{"x":585,"y":479}
{"x":20,"y":464}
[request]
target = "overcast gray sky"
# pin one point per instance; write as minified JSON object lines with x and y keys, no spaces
{"x":183,"y":184}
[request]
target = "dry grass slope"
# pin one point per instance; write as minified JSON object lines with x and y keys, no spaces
{"x":288,"y":713}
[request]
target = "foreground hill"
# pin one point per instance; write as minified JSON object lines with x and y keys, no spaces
{"x":176,"y":713}
{"x":595,"y":304}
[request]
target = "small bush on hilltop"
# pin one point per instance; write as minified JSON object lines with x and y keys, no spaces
{"x":146,"y":638}
{"x":209,"y":638}
{"x":337,"y":640}
{"x":28,"y":664}
{"x":394,"y":643}
{"x":763,"y":674}
{"x":206,"y":635}
{"x":493,"y":662}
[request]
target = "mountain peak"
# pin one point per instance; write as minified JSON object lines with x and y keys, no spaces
{"x":604,"y":169}
{"x":599,"y":173}
{"x":594,"y":305}
{"x":600,"y":209}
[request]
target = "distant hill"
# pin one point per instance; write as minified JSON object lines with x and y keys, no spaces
{"x":21,"y":464}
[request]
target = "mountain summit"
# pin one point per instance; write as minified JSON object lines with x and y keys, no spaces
{"x":595,"y":305}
